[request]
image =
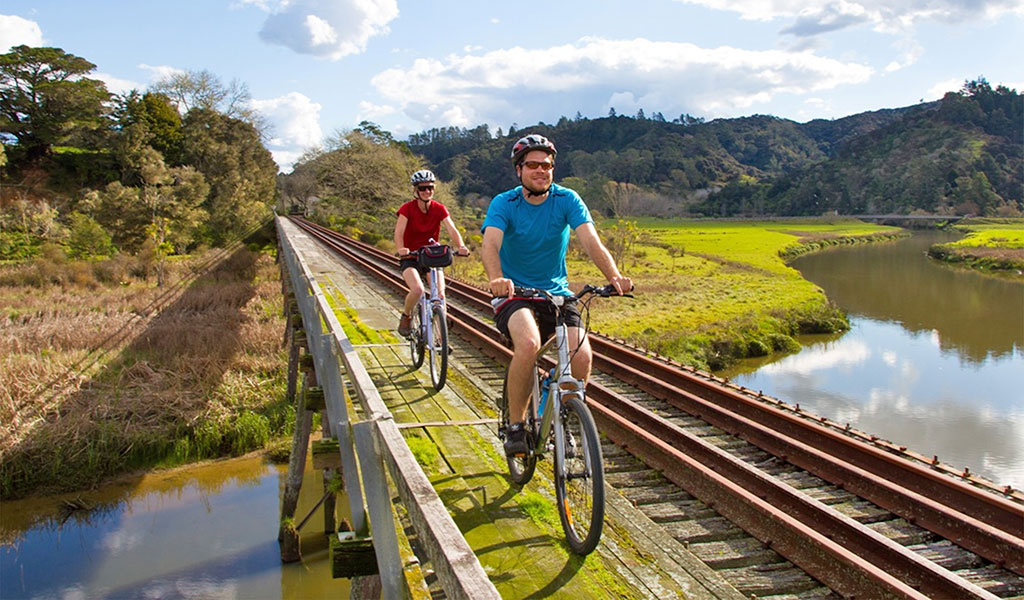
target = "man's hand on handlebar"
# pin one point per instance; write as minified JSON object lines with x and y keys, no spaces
{"x":622,"y":285}
{"x":502,"y":287}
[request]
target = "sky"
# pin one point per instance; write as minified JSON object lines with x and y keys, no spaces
{"x":317,"y":68}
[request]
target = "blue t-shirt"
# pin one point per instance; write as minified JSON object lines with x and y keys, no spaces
{"x":536,"y":236}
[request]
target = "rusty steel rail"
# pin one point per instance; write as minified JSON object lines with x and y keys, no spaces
{"x":832,"y":547}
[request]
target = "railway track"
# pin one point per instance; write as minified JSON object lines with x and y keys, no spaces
{"x":782,"y":502}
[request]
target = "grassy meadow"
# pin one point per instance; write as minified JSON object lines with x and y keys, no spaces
{"x":102,"y":371}
{"x":710,"y":292}
{"x":989,"y":244}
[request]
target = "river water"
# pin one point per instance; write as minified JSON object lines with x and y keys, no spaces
{"x":207,"y":531}
{"x":934,"y":359}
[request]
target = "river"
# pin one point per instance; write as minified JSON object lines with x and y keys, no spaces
{"x":934,"y":359}
{"x":206,"y":531}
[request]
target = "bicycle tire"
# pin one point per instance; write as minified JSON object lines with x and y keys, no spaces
{"x":439,"y":348}
{"x":579,"y":491}
{"x":520,"y":469}
{"x":417,"y":345}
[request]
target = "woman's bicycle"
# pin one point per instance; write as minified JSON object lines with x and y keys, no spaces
{"x":430,"y":320}
{"x":558,"y":420}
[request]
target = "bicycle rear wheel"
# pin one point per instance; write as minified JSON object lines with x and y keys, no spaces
{"x":439,"y":347}
{"x":520,"y":468}
{"x":579,"y":479}
{"x":417,"y":345}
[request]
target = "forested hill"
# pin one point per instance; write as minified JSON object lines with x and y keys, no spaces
{"x":961,"y":154}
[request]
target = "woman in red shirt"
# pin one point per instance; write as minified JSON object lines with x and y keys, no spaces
{"x":419,"y":222}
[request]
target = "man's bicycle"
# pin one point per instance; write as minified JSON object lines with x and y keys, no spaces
{"x":430,"y":320}
{"x":559,"y":421}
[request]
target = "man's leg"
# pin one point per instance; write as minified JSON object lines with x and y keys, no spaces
{"x":522,"y":328}
{"x":584,"y":358}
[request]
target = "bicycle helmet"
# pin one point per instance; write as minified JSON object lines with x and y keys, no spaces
{"x":422,"y":176}
{"x":532,"y":142}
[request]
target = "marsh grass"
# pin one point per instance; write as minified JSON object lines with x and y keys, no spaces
{"x":990,"y":244}
{"x":101,"y":379}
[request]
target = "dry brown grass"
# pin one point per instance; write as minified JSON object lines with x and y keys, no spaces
{"x":89,"y":369}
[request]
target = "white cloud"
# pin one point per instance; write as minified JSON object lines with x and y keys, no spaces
{"x":158,"y":73}
{"x":327,"y":29}
{"x":295,"y":120}
{"x":15,"y":31}
{"x":116,"y":85}
{"x":934,"y":93}
{"x":812,"y":17}
{"x":524,"y":85}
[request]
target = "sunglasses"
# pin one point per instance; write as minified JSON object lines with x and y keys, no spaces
{"x":534,"y":164}
{"x":424,"y":188}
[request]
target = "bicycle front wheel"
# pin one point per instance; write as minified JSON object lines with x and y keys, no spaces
{"x":439,"y":347}
{"x":417,"y":345}
{"x":579,"y":478}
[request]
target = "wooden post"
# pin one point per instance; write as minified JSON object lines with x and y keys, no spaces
{"x":329,"y":475}
{"x":288,"y":535}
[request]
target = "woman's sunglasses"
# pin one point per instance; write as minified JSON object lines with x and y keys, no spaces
{"x":424,"y":188}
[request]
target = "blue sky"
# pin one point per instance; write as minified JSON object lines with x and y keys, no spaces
{"x":317,"y":67}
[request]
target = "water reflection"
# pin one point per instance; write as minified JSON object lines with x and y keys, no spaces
{"x":974,"y":315}
{"x":203,"y":532}
{"x":933,"y":360}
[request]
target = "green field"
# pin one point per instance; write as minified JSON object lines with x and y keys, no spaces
{"x":710,"y":292}
{"x":990,"y":244}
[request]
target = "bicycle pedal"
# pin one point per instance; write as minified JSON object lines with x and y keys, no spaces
{"x":450,"y":351}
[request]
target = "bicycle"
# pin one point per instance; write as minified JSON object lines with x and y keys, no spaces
{"x":430,"y":320}
{"x":558,"y":420}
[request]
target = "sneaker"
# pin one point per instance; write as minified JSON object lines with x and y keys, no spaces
{"x":405,"y":325}
{"x":515,"y":440}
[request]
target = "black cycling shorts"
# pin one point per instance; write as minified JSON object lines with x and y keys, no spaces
{"x":543,"y":312}
{"x":412,"y":263}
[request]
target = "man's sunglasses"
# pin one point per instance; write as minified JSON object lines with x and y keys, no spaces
{"x":424,"y":188}
{"x":535,"y":164}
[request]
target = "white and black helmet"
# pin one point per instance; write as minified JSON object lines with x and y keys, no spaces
{"x":422,"y":176}
{"x":532,"y":142}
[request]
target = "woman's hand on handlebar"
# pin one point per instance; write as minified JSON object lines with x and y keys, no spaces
{"x":402,"y":252}
{"x":462,"y":251}
{"x":502,"y":287}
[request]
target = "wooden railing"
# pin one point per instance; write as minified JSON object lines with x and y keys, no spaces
{"x":371,"y":445}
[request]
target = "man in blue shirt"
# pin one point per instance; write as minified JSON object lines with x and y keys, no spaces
{"x":525,"y":239}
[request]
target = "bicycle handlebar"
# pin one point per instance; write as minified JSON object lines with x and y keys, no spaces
{"x":455,"y":252}
{"x":605,"y":291}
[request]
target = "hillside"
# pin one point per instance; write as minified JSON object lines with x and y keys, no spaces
{"x":961,"y":154}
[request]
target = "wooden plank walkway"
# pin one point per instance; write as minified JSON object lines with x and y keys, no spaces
{"x":514,"y":532}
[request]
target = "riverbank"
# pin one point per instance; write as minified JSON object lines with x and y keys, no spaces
{"x":989,"y":245}
{"x":713,"y":292}
{"x":105,"y":372}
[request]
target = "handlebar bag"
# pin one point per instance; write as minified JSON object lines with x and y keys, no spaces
{"x":435,"y":256}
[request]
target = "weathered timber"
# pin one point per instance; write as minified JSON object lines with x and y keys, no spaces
{"x":352,"y":556}
{"x":313,"y":398}
{"x":288,"y":537}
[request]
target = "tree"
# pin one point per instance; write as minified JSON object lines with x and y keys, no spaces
{"x":45,"y":98}
{"x":204,"y":90}
{"x":240,"y":171}
{"x":157,"y":118}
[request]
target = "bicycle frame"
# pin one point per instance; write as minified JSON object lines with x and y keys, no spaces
{"x":431,"y":297}
{"x":563,"y":385}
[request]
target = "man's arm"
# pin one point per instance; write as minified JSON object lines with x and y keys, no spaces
{"x":591,"y":242}
{"x":499,"y":284}
{"x":400,"y":235}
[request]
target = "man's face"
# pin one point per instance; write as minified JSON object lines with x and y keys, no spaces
{"x":536,"y":171}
